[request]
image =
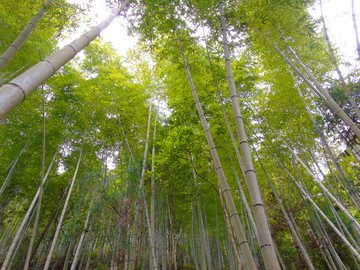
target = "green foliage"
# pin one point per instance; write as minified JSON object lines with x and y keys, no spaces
{"x":100,"y":96}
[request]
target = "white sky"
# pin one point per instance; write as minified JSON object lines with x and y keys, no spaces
{"x":337,"y":16}
{"x":115,"y":33}
{"x":338,"y":19}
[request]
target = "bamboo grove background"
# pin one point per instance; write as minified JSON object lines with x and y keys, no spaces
{"x":228,"y":138}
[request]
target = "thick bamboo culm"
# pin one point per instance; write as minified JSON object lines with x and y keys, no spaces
{"x":18,"y":89}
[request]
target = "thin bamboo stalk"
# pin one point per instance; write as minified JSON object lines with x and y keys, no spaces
{"x":341,"y":78}
{"x":10,"y":173}
{"x":24,"y":221}
{"x":38,"y":208}
{"x":353,"y":195}
{"x":151,"y":238}
{"x":236,"y":148}
{"x":228,"y":227}
{"x":62,"y":216}
{"x":286,"y":216}
{"x":319,"y":91}
{"x":152,"y":202}
{"x":234,"y":216}
{"x":19,"y":41}
{"x":264,"y":234}
{"x":138,"y":204}
{"x":308,"y":197}
{"x":330,"y":101}
{"x":78,"y":248}
{"x":355,"y":28}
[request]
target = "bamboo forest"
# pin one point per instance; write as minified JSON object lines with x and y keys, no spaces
{"x":226,"y":137}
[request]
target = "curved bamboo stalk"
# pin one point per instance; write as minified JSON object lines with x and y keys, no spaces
{"x":18,"y":89}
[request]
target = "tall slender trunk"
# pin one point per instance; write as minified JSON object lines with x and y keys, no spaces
{"x":78,"y":248}
{"x":236,"y":148}
{"x":15,"y":91}
{"x":41,"y":189}
{"x":151,"y":238}
{"x":134,"y":236}
{"x":228,"y":227}
{"x":10,"y":173}
{"x":341,"y":236}
{"x":345,"y":181}
{"x":19,"y":41}
{"x":319,"y":90}
{"x":286,"y":216}
{"x":8,"y":229}
{"x":355,"y":28}
{"x":203,"y":242}
{"x":125,"y":139}
{"x":234,"y":216}
{"x":333,"y":105}
{"x":62,"y":216}
{"x":9,"y":77}
{"x":348,"y":94}
{"x":152,"y":202}
{"x":41,"y":237}
{"x":265,"y":240}
{"x":308,"y":197}
{"x":24,"y":221}
{"x":326,"y":191}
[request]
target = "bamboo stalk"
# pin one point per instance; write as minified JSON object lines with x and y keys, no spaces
{"x":10,"y":173}
{"x":132,"y":257}
{"x":24,"y":221}
{"x":19,"y":41}
{"x":234,"y":216}
{"x":41,"y":188}
{"x":341,"y":78}
{"x":355,"y":28}
{"x":264,"y":234}
{"x":78,"y":248}
{"x":18,"y":89}
{"x":62,"y":216}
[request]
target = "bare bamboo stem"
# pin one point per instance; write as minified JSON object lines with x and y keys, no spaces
{"x":62,"y":216}
{"x":16,"y":91}
{"x":234,"y":216}
{"x":19,"y":41}
{"x":264,"y":235}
